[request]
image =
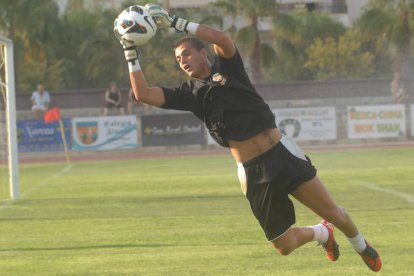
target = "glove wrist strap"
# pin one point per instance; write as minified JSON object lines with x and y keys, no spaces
{"x":134,"y":66}
{"x":192,"y":27}
{"x":183,"y":25}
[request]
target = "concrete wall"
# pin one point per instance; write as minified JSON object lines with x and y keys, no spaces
{"x":295,"y":91}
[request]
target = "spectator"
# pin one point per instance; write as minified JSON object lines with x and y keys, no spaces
{"x":113,"y":98}
{"x":397,"y":89}
{"x":40,"y":101}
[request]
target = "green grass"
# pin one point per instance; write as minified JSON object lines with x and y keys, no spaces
{"x":187,"y":216}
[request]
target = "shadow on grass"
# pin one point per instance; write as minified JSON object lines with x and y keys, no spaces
{"x":104,"y":246}
{"x":117,"y":246}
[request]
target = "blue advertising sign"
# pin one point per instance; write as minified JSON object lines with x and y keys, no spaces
{"x":36,"y":135}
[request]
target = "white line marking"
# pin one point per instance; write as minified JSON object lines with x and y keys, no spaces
{"x":405,"y":196}
{"x":42,"y":184}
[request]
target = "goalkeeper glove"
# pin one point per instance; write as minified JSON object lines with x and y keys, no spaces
{"x":131,"y":55}
{"x":164,"y":20}
{"x":130,"y":51}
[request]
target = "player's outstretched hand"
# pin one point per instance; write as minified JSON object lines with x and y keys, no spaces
{"x":164,"y":20}
{"x":161,"y":16}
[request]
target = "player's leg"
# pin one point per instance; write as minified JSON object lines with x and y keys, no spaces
{"x":36,"y":112}
{"x":315,"y":196}
{"x":293,"y":238}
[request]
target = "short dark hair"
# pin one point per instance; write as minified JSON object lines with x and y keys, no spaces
{"x":195,"y":43}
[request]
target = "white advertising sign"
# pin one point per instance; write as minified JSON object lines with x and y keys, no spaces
{"x":412,"y":119}
{"x":104,"y":133}
{"x":313,"y":123}
{"x":379,"y":121}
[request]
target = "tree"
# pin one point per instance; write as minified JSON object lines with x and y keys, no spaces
{"x":249,"y":37}
{"x":33,"y":38}
{"x":389,"y":25}
{"x":341,"y":58}
{"x":92,"y":55}
{"x":293,"y":34}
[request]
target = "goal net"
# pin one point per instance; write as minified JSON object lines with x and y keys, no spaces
{"x":9,"y":188}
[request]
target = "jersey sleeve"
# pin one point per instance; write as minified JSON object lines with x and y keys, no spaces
{"x":233,"y":66}
{"x":179,"y":98}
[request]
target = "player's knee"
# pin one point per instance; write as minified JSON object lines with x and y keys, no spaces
{"x":283,"y":249}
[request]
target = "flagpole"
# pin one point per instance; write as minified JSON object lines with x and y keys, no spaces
{"x":65,"y":146}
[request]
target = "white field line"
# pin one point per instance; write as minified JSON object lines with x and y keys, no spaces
{"x":404,"y":196}
{"x":38,"y":186}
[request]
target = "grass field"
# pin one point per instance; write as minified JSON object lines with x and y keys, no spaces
{"x":187,"y":216}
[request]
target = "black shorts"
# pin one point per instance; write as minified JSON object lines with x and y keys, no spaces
{"x":267,"y":181}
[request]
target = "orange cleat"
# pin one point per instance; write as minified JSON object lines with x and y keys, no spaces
{"x":371,"y":258}
{"x":331,"y":247}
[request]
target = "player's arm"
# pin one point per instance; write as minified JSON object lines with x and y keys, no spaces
{"x":142,"y":92}
{"x":223,"y":45}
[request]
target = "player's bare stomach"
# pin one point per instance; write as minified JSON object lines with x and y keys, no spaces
{"x":246,"y":150}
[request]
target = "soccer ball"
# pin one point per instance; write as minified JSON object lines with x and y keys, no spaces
{"x":134,"y":26}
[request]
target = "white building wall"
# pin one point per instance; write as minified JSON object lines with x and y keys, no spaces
{"x":355,"y":8}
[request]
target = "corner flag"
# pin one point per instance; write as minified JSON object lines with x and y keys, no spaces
{"x":53,"y":115}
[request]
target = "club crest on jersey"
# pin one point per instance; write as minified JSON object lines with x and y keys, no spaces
{"x":219,"y":78}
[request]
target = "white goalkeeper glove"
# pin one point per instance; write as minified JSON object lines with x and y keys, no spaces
{"x":164,"y":20}
{"x":131,"y":53}
{"x":161,"y":16}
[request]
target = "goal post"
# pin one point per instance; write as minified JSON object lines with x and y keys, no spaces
{"x":8,"y":115}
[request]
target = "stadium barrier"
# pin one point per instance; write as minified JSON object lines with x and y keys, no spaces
{"x":311,"y":125}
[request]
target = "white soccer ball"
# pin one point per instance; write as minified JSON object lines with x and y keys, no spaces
{"x":134,"y":26}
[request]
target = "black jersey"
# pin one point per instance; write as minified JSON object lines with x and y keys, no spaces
{"x":226,"y":102}
{"x":113,"y":95}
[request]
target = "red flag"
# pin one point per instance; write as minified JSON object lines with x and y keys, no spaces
{"x":52,"y":115}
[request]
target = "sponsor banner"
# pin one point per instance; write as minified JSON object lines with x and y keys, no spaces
{"x":379,"y":121}
{"x":172,"y":130}
{"x":412,"y":120}
{"x":36,"y":135}
{"x":104,"y":133}
{"x":302,"y":124}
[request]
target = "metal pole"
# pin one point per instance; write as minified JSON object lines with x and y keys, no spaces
{"x":11,"y":122}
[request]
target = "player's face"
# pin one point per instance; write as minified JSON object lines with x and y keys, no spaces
{"x":192,"y":61}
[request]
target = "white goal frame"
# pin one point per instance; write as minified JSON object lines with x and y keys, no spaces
{"x":9,"y":85}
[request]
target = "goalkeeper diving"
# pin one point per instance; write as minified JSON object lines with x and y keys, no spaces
{"x":270,"y":165}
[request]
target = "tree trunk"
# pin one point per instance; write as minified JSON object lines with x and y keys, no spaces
{"x":254,"y":58}
{"x":403,"y":60}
